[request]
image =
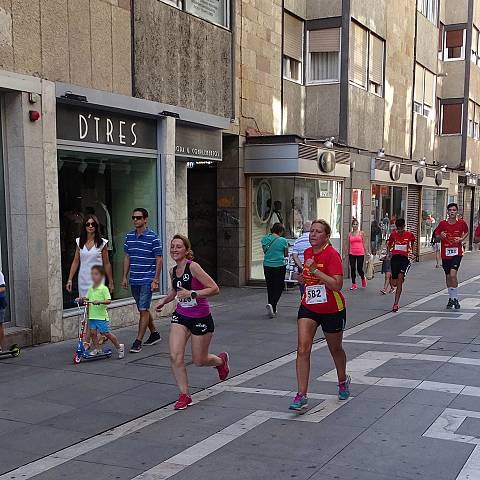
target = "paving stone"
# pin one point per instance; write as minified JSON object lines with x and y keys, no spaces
{"x":238,"y":466}
{"x":408,"y":419}
{"x":403,"y":368}
{"x":430,"y":398}
{"x":276,"y":438}
{"x":334,"y":472}
{"x":10,"y":459}
{"x":458,"y":374}
{"x":77,"y":470}
{"x":191,"y":426}
{"x":39,"y":440}
{"x":86,"y":420}
{"x":30,"y":411}
{"x":409,"y":457}
{"x":470,"y":426}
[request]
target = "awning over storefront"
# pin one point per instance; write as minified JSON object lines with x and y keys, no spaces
{"x":295,"y":158}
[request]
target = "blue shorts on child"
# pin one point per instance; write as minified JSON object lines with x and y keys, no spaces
{"x":101,"y":326}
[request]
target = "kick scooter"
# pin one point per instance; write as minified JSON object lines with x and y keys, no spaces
{"x":82,"y":354}
{"x":13,"y":352}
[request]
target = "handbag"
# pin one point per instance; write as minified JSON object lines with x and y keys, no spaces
{"x":267,"y":247}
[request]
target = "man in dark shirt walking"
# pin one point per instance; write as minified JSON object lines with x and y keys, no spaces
{"x":143,"y":260}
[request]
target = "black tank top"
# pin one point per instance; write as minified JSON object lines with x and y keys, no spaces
{"x":185,"y":281}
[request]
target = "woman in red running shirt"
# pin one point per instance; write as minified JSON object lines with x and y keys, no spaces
{"x":400,"y":245}
{"x":322,"y":305}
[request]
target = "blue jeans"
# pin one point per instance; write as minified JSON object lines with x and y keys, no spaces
{"x":142,"y":295}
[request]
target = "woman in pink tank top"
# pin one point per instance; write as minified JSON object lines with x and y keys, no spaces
{"x":356,"y":254}
{"x":191,"y":287}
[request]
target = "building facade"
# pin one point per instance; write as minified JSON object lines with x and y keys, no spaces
{"x":221,"y":117}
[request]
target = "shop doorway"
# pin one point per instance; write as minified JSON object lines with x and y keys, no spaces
{"x":202,"y":214}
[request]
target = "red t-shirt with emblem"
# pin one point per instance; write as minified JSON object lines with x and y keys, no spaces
{"x":450,"y":248}
{"x":477,"y":231}
{"x":400,"y":243}
{"x":317,"y":296}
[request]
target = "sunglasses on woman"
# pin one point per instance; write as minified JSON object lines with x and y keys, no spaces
{"x":90,"y":224}
{"x":137,"y":217}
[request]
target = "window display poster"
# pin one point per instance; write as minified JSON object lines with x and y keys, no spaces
{"x":210,"y":10}
{"x":357,"y":205}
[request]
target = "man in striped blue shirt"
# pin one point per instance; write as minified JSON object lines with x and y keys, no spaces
{"x":143,"y":260}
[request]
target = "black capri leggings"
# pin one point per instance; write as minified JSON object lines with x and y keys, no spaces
{"x":275,"y":278}
{"x":356,"y":264}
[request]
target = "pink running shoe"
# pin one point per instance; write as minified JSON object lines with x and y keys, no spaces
{"x":383,"y":291}
{"x":392,"y":290}
{"x":183,"y":402}
{"x":223,"y":370}
{"x":354,"y":286}
{"x":364,"y":282}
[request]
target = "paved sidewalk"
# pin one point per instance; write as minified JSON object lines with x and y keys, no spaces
{"x":415,"y":411}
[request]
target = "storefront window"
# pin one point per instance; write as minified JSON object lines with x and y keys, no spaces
{"x":433,"y":211}
{"x":108,"y":187}
{"x":291,"y":201}
{"x":388,"y":204}
{"x":357,"y":204}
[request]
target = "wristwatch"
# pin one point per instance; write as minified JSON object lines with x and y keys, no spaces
{"x":193,"y":294}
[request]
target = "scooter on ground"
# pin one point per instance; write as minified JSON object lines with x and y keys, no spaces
{"x":82,"y":353}
{"x":14,"y":351}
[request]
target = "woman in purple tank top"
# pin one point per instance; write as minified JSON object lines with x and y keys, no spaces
{"x":191,"y":287}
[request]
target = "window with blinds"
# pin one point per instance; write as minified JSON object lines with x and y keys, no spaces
{"x":323,"y":48}
{"x":367,"y":52}
{"x":454,"y":45}
{"x":424,"y":91}
{"x":429,"y":8}
{"x":358,"y":54}
{"x":476,"y":122}
{"x":474,"y":55}
{"x":452,"y":118}
{"x":429,"y":94}
{"x":418,"y":89}
{"x":292,"y":47}
{"x":375,"y":65}
{"x":471,"y":116}
{"x":473,"y":120}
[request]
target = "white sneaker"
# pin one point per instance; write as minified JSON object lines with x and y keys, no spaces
{"x":270,"y":311}
{"x":94,"y":352}
{"x":121,"y":351}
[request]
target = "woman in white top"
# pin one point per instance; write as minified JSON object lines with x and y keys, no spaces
{"x":90,"y":251}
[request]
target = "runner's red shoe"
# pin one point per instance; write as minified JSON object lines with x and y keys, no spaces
{"x":395,"y":307}
{"x":224,"y":369}
{"x":183,"y":402}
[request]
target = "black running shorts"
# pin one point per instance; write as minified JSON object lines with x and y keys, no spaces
{"x":451,"y":263}
{"x":197,"y":326}
{"x":400,"y":264}
{"x":330,"y":322}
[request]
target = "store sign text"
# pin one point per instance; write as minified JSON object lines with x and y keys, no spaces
{"x":106,"y":128}
{"x":85,"y":123}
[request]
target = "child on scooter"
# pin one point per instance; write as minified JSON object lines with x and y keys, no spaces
{"x":3,"y":306}
{"x":99,"y":296}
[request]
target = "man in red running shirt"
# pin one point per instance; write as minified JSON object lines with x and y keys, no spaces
{"x":451,"y":233}
{"x":400,"y":246}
